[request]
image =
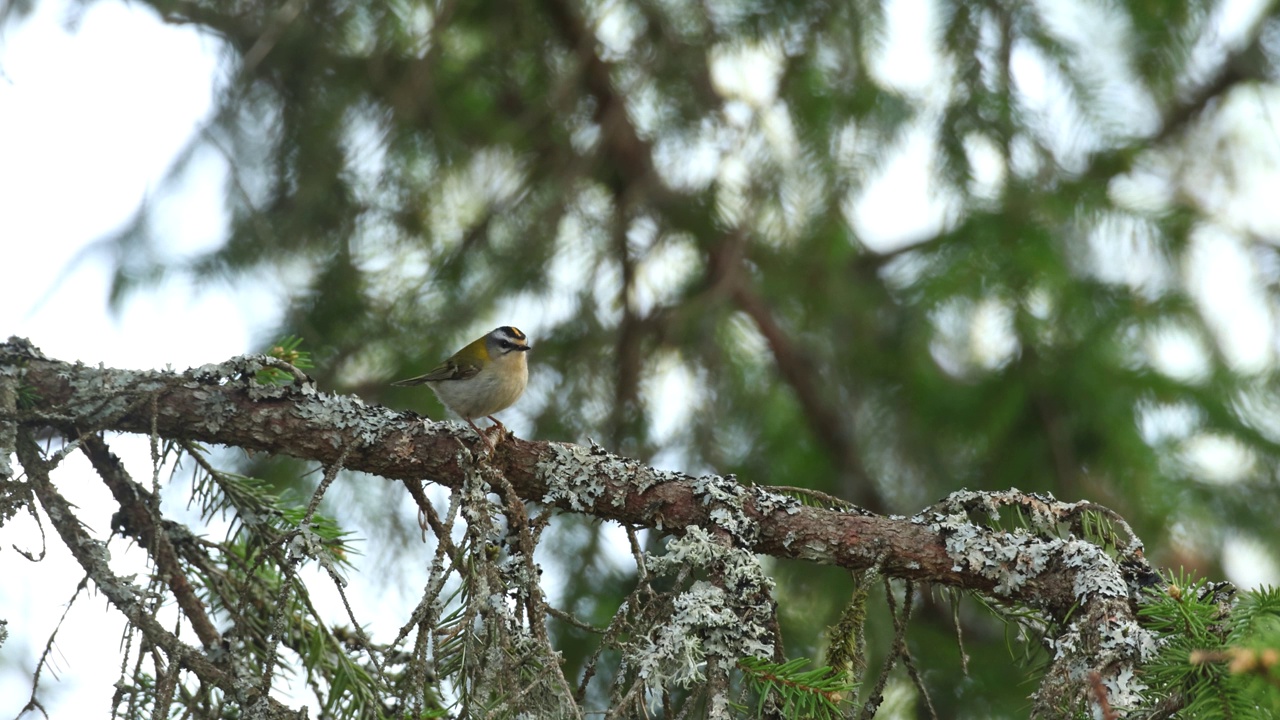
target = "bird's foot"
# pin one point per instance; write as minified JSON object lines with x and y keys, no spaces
{"x":502,"y":429}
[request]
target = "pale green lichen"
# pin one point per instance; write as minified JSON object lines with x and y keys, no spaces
{"x":1100,"y":634}
{"x":1111,"y":641}
{"x":10,"y":380}
{"x":565,"y":469}
{"x":728,"y":499}
{"x":707,"y":621}
{"x":768,"y":502}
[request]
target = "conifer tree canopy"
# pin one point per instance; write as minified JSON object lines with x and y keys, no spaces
{"x":872,"y":341}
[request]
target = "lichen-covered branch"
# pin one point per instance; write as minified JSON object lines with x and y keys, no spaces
{"x":127,"y":597}
{"x":1079,"y":586}
{"x":136,"y":518}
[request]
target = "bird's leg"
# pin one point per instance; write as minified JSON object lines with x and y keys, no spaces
{"x":483,"y":436}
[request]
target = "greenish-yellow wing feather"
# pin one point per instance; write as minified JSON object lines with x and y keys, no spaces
{"x":447,"y":370}
{"x":452,"y":370}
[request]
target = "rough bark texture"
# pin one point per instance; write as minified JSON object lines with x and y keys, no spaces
{"x":946,"y":544}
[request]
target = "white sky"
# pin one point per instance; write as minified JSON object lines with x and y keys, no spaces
{"x":77,"y":158}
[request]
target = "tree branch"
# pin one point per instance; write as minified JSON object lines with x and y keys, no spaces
{"x":802,"y":377}
{"x":1082,"y":589}
{"x":629,"y":155}
{"x":124,"y":595}
{"x":136,"y":518}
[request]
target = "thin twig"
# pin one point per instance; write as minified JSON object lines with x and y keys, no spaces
{"x":536,"y":604}
{"x":873,"y":700}
{"x":33,"y":703}
{"x":122,"y":593}
{"x":955,"y":619}
{"x":907,"y":660}
{"x":1100,"y":696}
{"x":289,"y":566}
{"x":828,"y":426}
{"x":271,"y":34}
{"x":141,"y":508}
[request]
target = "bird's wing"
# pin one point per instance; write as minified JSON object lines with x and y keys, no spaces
{"x":447,"y":370}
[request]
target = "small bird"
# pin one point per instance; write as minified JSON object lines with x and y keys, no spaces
{"x":482,"y":378}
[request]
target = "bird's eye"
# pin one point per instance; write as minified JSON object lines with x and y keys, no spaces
{"x":507,"y":344}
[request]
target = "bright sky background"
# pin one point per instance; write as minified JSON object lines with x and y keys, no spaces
{"x":77,"y":158}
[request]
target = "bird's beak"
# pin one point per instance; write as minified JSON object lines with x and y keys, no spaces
{"x":523,"y":348}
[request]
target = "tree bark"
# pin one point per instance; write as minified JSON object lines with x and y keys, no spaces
{"x":1088,"y":594}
